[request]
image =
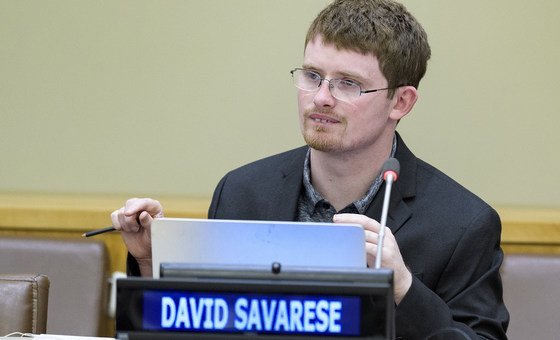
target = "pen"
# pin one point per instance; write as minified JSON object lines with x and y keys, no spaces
{"x":98,"y":231}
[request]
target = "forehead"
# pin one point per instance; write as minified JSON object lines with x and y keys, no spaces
{"x":329,"y":59}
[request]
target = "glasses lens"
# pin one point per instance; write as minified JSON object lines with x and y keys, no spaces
{"x":341,"y":89}
{"x":345,"y":90}
{"x":306,"y":80}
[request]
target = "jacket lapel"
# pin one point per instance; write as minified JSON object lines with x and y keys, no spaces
{"x":404,"y":188}
{"x":286,"y":188}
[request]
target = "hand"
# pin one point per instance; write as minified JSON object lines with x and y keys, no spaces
{"x":134,"y":220}
{"x":392,"y":258}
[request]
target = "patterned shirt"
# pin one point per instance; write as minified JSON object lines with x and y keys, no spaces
{"x":313,"y":207}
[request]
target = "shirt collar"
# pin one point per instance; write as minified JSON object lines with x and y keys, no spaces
{"x":362,"y":204}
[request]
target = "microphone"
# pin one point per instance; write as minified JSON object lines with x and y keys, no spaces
{"x":390,"y":171}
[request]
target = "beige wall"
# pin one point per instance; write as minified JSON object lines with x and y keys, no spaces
{"x":163,"y":97}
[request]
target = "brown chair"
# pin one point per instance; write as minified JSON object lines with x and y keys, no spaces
{"x":24,"y":301}
{"x":78,"y":271}
{"x":532,"y":295}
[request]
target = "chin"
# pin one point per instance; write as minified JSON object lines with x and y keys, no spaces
{"x":322,"y":142}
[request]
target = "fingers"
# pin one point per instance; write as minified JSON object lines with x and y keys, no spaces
{"x":367,"y":223}
{"x":392,"y":257}
{"x":371,"y":226}
{"x":135,"y":214}
{"x":371,"y":232}
{"x":134,"y":206}
{"x":128,"y":223}
{"x":371,"y":237}
{"x":371,"y":252}
{"x":145,"y":219}
{"x":115,"y":218}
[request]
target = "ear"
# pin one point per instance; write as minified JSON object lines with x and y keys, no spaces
{"x":405,"y":98}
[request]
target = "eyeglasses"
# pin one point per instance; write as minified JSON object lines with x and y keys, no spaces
{"x":342,"y":89}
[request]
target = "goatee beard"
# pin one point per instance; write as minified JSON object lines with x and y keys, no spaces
{"x":320,"y":140}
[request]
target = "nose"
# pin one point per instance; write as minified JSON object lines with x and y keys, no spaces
{"x":323,"y":97}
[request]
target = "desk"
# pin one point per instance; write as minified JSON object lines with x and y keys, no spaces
{"x":530,"y":230}
{"x":525,"y":230}
{"x":51,"y":337}
{"x":69,"y":216}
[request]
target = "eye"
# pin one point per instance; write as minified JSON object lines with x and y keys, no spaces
{"x":347,"y":84}
{"x":311,"y":76}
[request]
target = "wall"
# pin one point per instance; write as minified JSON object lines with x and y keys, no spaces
{"x":163,"y":97}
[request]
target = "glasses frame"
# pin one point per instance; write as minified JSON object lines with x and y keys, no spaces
{"x":331,"y":86}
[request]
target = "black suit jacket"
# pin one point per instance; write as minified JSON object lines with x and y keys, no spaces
{"x":448,"y":237}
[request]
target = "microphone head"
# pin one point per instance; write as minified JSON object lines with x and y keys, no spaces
{"x":391,"y":166}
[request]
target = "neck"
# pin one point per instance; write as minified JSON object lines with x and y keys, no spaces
{"x":345,"y":177}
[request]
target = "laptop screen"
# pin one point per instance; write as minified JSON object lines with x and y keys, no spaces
{"x":246,"y":243}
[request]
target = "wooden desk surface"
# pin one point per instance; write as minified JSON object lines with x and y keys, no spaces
{"x":524,"y":230}
{"x":69,"y":216}
{"x":81,"y":212}
{"x":534,"y":230}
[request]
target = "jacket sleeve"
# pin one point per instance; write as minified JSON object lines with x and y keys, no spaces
{"x":214,"y":204}
{"x":467,"y":302}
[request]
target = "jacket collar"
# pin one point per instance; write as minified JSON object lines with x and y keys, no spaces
{"x":283,"y":205}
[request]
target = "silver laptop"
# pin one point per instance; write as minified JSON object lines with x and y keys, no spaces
{"x":257,"y":243}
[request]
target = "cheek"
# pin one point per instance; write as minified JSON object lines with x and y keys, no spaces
{"x":300,"y":98}
{"x":302,"y":107}
{"x":364,"y":118}
{"x":373,"y":110}
{"x":305,"y":99}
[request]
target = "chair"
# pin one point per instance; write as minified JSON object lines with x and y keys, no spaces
{"x":24,"y":301}
{"x":78,"y":272}
{"x":531,"y":293}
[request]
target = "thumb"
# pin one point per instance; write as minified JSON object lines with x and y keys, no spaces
{"x":145,"y":219}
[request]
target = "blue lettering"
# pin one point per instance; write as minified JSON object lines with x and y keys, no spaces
{"x":323,"y":318}
{"x":253,"y":313}
{"x":220,"y":313}
{"x":196,"y":312}
{"x":208,"y":320}
{"x":254,"y":316}
{"x":177,"y":313}
{"x":334,"y":316}
{"x":296,"y":310}
{"x":167,"y":312}
{"x":281,"y":317}
{"x":268,"y":313}
{"x":241,"y":313}
{"x":182,"y":314}
{"x":309,"y":316}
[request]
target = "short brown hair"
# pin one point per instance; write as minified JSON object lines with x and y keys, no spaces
{"x":383,"y":28}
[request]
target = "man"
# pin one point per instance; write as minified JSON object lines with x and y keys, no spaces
{"x":362,"y":65}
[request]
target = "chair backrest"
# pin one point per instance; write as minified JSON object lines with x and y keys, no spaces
{"x":532,"y":295}
{"x":24,"y":301}
{"x":78,"y":272}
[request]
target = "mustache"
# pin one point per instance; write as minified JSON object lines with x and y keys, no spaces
{"x":325,"y":112}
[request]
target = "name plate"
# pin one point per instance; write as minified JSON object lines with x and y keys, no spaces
{"x":242,"y":313}
{"x":262,"y":306}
